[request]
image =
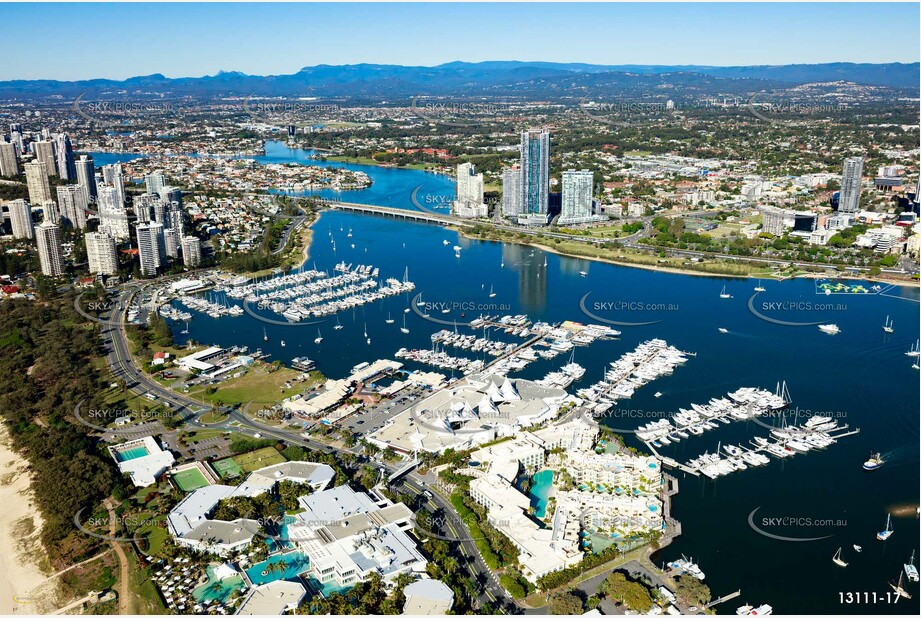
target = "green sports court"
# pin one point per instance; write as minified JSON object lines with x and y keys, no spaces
{"x":190,"y":479}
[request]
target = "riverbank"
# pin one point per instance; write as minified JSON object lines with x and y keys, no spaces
{"x":21,"y":552}
{"x":422,"y":167}
{"x":694,"y":268}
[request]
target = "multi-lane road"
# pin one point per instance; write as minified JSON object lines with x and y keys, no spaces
{"x":448,"y":523}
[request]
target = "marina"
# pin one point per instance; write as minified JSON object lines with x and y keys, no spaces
{"x":718,"y":369}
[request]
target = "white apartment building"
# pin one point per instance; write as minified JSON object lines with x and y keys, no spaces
{"x":101,"y":253}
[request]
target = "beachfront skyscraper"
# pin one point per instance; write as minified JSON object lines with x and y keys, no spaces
{"x":50,"y":254}
{"x":21,"y":219}
{"x":64,"y":153}
{"x":37,"y":182}
{"x":849,"y":201}
{"x":154,"y":182}
{"x":151,"y":247}
{"x":469,"y":202}
{"x":72,"y":205}
{"x":9,"y":166}
{"x":113,"y":218}
{"x":577,"y":197}
{"x":535,"y":172}
{"x":511,"y":191}
{"x":44,"y":152}
{"x":86,"y":177}
{"x":191,"y":251}
{"x":101,"y":253}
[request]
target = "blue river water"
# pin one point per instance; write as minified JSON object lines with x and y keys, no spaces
{"x":862,"y":376}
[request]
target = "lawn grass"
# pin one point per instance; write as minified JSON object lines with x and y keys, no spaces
{"x":261,"y":458}
{"x":258,"y":385}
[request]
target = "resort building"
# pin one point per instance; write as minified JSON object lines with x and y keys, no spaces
{"x":348,"y":535}
{"x":189,"y":522}
{"x":143,"y":460}
{"x":475,"y":410}
{"x":609,"y":494}
{"x":428,"y":597}
{"x":272,"y":599}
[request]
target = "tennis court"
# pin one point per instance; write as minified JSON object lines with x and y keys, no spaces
{"x":261,"y":458}
{"x":190,"y":480}
{"x":227,"y":468}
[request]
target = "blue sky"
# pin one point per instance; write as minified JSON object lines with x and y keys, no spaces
{"x":82,"y":41}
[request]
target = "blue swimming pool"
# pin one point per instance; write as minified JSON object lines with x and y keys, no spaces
{"x":132,"y":453}
{"x":291,"y":565}
{"x":217,"y":589}
{"x":540,"y":491}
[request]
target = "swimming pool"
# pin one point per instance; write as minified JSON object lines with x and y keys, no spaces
{"x":217,"y":589}
{"x":291,"y":565}
{"x":131,"y":453}
{"x":540,"y":491}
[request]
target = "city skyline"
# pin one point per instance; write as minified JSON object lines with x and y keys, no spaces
{"x":193,"y":39}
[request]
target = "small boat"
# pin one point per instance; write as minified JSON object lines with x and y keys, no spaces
{"x":887,"y":327}
{"x":583,"y":273}
{"x":446,"y":310}
{"x":389,"y":319}
{"x":723,"y":330}
{"x":911,"y":571}
{"x":837,"y":559}
{"x":658,"y":394}
{"x":831,"y":329}
{"x":265,"y":336}
{"x":898,"y":588}
{"x":858,"y":548}
{"x":282,"y":342}
{"x":446,"y":242}
{"x":885,"y":534}
{"x":492,"y":294}
{"x":319,"y":338}
{"x":724,"y":293}
{"x":873,"y":463}
{"x":759,"y":287}
{"x":406,"y":310}
{"x":404,"y":330}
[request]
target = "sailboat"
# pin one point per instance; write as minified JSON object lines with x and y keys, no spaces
{"x":389,"y":319}
{"x":265,"y":335}
{"x":724,"y":293}
{"x":185,"y":331}
{"x":858,"y":548}
{"x":898,"y":588}
{"x":492,"y":294}
{"x":338,"y":326}
{"x":319,"y":338}
{"x":887,"y":327}
{"x":837,"y":559}
{"x":911,"y":571}
{"x":759,"y":287}
{"x":366,"y":334}
{"x":404,"y":330}
{"x":885,"y":534}
{"x":915,"y":350}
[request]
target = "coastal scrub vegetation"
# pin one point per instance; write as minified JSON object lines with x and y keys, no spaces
{"x":46,"y":358}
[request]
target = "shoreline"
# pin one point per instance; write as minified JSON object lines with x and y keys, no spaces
{"x":20,"y":525}
{"x":683,"y":271}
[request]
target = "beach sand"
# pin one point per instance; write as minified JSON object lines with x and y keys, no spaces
{"x":21,"y":552}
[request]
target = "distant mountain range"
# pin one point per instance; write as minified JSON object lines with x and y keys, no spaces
{"x":471,"y":79}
